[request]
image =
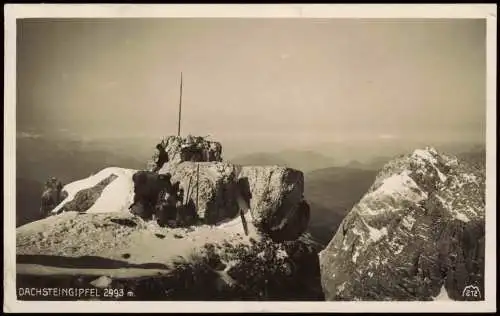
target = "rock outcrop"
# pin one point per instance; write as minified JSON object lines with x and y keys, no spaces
{"x":416,"y":234}
{"x":190,"y":148}
{"x":52,"y":195}
{"x":244,"y":243}
{"x":271,"y":196}
{"x":212,"y":186}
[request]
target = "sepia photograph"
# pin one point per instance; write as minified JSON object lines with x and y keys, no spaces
{"x":299,"y":158}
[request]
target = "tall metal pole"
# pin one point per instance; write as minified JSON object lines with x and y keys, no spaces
{"x":197,"y":184}
{"x":180,"y":110}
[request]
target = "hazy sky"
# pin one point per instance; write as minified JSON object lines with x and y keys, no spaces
{"x":282,"y":80}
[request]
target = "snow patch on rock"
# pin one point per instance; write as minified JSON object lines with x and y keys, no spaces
{"x":425,"y":155}
{"x":408,"y":222}
{"x":455,"y":213}
{"x":470,"y":178}
{"x":281,"y":254}
{"x":399,"y":186}
{"x":102,"y":282}
{"x":355,"y":256}
{"x":118,"y":195}
{"x":341,"y":287}
{"x":374,"y":234}
{"x":112,"y":199}
{"x":443,"y":295}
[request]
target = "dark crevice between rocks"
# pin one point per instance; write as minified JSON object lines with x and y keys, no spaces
{"x":124,"y":222}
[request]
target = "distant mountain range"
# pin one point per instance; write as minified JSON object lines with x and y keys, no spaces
{"x":366,"y":151}
{"x":304,"y":160}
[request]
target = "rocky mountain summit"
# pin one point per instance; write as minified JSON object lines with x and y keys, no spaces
{"x":417,"y":234}
{"x":248,"y":241}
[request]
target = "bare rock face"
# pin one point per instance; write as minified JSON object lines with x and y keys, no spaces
{"x":210,"y":185}
{"x":244,"y":244}
{"x":190,"y":148}
{"x":52,"y":195}
{"x":416,"y":234}
{"x":276,"y":201}
{"x":272,"y":195}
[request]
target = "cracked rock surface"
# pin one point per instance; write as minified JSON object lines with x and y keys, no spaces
{"x":417,"y":232}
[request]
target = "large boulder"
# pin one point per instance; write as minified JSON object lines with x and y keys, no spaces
{"x":212,"y":186}
{"x":52,"y":195}
{"x":417,"y":234}
{"x":148,"y":186}
{"x":273,"y":195}
{"x":269,"y":196}
{"x":276,"y":198}
{"x":189,"y":148}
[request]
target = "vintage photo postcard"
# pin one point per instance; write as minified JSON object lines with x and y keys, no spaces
{"x":250,"y":158}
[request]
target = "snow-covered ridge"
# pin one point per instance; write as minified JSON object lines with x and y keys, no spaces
{"x":418,"y":209}
{"x":428,"y":154}
{"x":116,"y":196}
{"x":398,"y":186}
{"x":415,"y":178}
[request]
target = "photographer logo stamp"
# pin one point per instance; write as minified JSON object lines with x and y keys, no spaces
{"x":471,"y":292}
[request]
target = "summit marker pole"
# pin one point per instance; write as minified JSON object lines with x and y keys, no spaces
{"x":180,"y":110}
{"x":197,"y":184}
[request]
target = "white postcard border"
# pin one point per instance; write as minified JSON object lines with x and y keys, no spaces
{"x":16,"y":11}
